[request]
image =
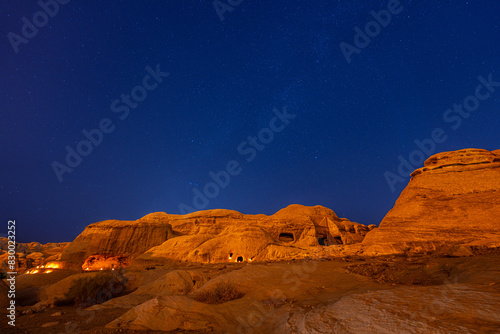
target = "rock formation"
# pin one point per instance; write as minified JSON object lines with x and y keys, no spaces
{"x":117,"y":237}
{"x":104,"y":262}
{"x":31,"y":254}
{"x":176,"y":282}
{"x":215,"y":235}
{"x":453,"y":199}
{"x":401,"y":310}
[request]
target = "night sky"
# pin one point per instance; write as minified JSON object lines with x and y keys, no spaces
{"x":326,"y":124}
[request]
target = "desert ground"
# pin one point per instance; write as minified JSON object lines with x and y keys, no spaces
{"x":392,"y":294}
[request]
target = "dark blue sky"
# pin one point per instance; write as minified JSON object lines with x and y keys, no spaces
{"x":352,"y":120}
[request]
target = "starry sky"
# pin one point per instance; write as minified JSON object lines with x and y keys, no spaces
{"x":260,"y":97}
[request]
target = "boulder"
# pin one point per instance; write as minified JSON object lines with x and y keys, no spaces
{"x":168,"y":313}
{"x":177,"y":282}
{"x":453,"y":308}
{"x":174,"y":249}
{"x":453,"y":199}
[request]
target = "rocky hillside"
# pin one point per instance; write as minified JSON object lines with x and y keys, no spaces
{"x":453,"y":199}
{"x":215,"y":235}
{"x":31,"y":254}
{"x":118,"y":237}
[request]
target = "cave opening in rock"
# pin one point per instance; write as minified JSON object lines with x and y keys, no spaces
{"x":105,"y":262}
{"x":239,"y":259}
{"x":286,"y":237}
{"x":321,"y":241}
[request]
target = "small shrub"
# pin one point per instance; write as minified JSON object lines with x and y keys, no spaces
{"x":97,"y":289}
{"x":222,"y":292}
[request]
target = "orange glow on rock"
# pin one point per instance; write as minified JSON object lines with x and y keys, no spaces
{"x":104,"y":262}
{"x":53,"y":265}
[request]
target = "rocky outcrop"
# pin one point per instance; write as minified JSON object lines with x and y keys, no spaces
{"x":104,"y":262}
{"x":458,"y":309}
{"x":176,"y":282}
{"x":214,"y":235}
{"x":454,"y":308}
{"x":453,"y":199}
{"x":29,"y":255}
{"x":35,"y":259}
{"x":117,"y":237}
{"x":235,"y":244}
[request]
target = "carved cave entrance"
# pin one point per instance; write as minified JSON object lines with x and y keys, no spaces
{"x":286,"y":237}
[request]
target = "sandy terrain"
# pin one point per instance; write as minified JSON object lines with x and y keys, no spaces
{"x":345,"y":296}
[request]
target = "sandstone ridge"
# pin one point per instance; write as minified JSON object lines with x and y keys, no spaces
{"x":216,"y":235}
{"x":453,"y":199}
